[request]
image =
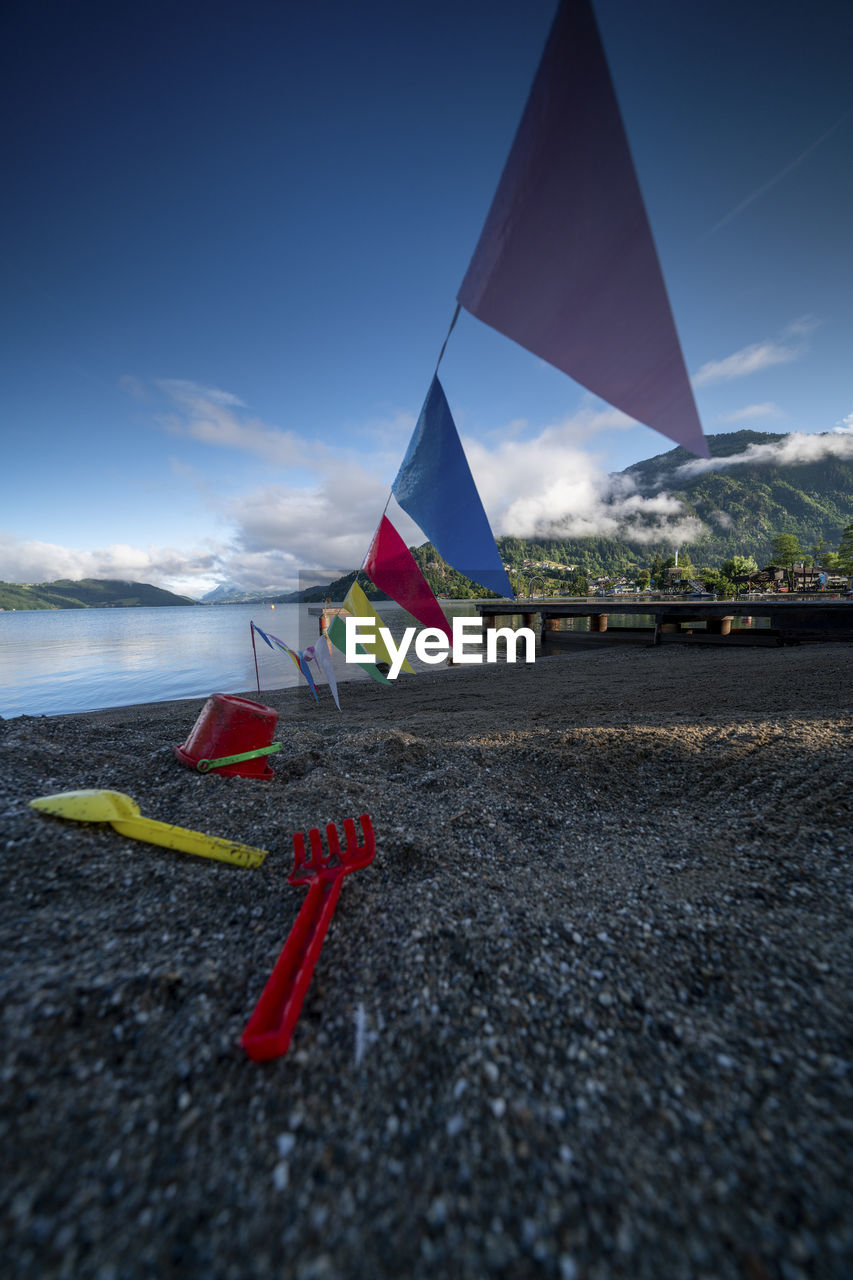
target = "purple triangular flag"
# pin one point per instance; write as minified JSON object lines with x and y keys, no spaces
{"x":566,"y":264}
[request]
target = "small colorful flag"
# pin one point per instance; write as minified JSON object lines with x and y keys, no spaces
{"x":298,"y":657}
{"x":321,"y":652}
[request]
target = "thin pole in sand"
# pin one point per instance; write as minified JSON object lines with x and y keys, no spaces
{"x":255,"y":652}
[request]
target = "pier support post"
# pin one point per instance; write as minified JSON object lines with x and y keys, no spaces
{"x":719,"y":626}
{"x":598,"y":622}
{"x":550,"y":624}
{"x":664,"y":626}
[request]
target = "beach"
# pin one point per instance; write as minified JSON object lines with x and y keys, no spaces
{"x":586,"y":1015}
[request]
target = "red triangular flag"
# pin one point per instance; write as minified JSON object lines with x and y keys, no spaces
{"x":391,"y":567}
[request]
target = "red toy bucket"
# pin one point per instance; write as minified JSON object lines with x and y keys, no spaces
{"x":230,"y":726}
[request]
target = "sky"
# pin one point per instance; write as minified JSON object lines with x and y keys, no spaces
{"x":233,"y":236}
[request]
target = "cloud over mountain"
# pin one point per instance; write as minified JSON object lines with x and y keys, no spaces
{"x":796,"y":447}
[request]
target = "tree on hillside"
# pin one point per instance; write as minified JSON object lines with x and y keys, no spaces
{"x":657,"y":572}
{"x":845,"y":550}
{"x":714,"y":580}
{"x":739,"y":567}
{"x":787,"y":552}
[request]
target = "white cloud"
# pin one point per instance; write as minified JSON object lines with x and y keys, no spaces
{"x":750,"y":412}
{"x":759,"y":355}
{"x":132,"y":386}
{"x":28,"y":560}
{"x":550,"y":486}
{"x":752,"y":359}
{"x":546,"y":484}
{"x":192,"y":393}
{"x":801,"y":327}
{"x":208,"y":415}
{"x":268,"y":535}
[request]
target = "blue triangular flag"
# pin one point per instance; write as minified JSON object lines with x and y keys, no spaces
{"x":435,"y":487}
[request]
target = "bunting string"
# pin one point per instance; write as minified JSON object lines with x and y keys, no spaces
{"x":447,"y":338}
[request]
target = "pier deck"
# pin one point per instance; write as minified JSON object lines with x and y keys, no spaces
{"x":788,"y":621}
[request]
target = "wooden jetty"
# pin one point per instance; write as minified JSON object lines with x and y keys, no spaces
{"x":787,"y":621}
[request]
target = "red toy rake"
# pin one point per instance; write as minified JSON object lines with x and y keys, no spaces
{"x":268,"y":1031}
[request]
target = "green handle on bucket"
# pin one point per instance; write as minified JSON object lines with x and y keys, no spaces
{"x":204,"y":766}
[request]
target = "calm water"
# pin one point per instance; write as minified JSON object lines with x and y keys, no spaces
{"x":57,"y":661}
{"x":64,"y":660}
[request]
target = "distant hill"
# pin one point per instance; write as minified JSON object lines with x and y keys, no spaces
{"x":334,"y":590}
{"x":88,"y":593}
{"x":337,"y":589}
{"x":225,"y":593}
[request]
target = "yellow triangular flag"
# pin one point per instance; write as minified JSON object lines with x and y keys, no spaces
{"x":357,"y":604}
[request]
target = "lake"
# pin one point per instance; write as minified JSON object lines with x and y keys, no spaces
{"x":56,"y":661}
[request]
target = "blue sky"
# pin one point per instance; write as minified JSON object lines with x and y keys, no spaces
{"x":233,"y":236}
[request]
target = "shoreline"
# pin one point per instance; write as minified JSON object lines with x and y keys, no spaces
{"x":586,"y":1015}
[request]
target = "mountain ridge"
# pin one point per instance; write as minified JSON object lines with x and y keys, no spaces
{"x":87,"y":593}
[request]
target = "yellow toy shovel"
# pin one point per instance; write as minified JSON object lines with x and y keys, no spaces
{"x":123,"y":813}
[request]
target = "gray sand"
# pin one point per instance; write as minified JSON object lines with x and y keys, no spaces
{"x":586,"y":1015}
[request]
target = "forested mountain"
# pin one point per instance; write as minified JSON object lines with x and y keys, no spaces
{"x":742,"y":506}
{"x":88,"y":593}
